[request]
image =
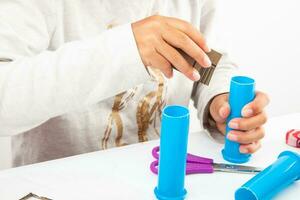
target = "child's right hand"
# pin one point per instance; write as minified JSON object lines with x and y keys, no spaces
{"x":158,"y":39}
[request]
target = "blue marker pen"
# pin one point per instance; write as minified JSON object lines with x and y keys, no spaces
{"x":242,"y":92}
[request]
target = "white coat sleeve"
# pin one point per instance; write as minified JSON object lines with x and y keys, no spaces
{"x":37,"y":84}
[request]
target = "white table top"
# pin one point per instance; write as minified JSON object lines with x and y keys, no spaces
{"x":123,"y":173}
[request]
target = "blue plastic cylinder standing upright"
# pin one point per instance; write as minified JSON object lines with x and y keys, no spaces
{"x":173,"y":153}
{"x":242,"y":92}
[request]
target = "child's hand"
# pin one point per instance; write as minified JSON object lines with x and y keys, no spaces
{"x":158,"y":39}
{"x":249,"y":129}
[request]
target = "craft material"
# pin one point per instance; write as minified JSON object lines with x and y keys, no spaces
{"x":173,"y":153}
{"x":265,"y":185}
{"x":242,"y":92}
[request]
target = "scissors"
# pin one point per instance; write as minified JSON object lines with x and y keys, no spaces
{"x":202,"y":165}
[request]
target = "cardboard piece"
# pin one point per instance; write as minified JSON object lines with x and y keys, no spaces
{"x":205,"y":73}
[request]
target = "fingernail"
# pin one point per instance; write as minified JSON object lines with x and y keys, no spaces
{"x":232,"y":137}
{"x":207,"y":62}
{"x":247,"y":112}
{"x":223,"y":112}
{"x":233,"y":125}
{"x":196,"y":75}
{"x":207,"y":49}
{"x":243,"y":150}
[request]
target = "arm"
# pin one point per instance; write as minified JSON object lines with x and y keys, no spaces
{"x":219,"y":84}
{"x":213,"y":103}
{"x":37,"y":84}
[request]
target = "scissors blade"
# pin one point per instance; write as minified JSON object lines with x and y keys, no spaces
{"x":230,"y":168}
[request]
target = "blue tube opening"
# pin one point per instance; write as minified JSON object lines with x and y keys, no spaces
{"x":175,"y":111}
{"x":242,"y":80}
{"x":244,"y":193}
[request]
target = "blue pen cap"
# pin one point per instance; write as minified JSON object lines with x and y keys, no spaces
{"x":265,"y":185}
{"x":172,"y":154}
{"x":242,"y":92}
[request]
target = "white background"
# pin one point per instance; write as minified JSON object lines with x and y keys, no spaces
{"x":264,"y":38}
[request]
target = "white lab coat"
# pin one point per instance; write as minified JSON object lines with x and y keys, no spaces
{"x":62,"y":63}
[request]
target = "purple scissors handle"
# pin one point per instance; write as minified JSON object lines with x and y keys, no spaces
{"x":195,"y":164}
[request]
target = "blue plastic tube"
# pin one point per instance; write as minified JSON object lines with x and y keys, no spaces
{"x":265,"y":185}
{"x":242,"y":92}
{"x":173,"y":152}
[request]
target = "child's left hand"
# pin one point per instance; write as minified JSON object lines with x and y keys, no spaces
{"x":249,"y":129}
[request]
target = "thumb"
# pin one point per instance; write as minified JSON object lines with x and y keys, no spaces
{"x":219,"y":108}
